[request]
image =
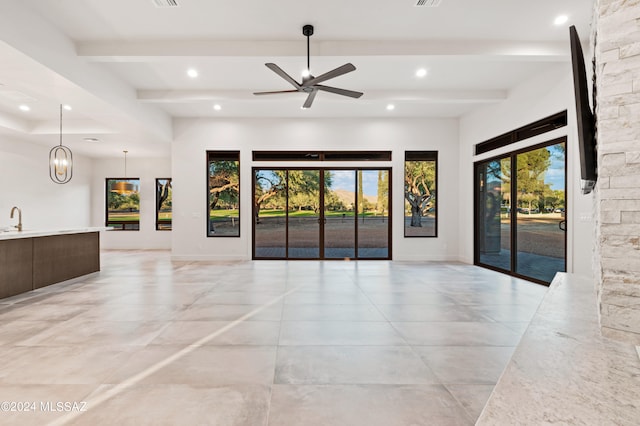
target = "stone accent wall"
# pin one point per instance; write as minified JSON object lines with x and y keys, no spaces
{"x":618,"y":190}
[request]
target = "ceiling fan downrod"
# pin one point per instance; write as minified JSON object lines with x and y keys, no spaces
{"x":307,"y":31}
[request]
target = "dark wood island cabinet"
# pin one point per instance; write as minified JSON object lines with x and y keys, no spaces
{"x":31,"y":260}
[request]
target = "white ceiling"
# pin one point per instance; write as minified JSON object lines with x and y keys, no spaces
{"x":122,"y":64}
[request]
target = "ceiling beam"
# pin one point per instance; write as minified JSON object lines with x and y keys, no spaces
{"x":71,"y":127}
{"x":117,"y":51}
{"x":35,"y":37}
{"x":10,"y":122}
{"x":427,"y":96}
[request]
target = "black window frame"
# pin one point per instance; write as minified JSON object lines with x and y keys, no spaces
{"x":158,"y":221}
{"x":222,"y":155}
{"x":420,"y":156}
{"x":114,"y":224}
{"x":512,"y":156}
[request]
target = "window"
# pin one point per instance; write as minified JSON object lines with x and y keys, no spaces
{"x":123,"y":203}
{"x":420,"y":201}
{"x":223,"y":189}
{"x":164,"y":193}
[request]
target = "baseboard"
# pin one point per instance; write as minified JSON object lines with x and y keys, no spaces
{"x":426,"y":259}
{"x":208,"y":258}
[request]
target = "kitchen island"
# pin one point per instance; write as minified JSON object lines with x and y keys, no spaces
{"x":33,"y":259}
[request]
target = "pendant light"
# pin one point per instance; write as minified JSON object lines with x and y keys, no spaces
{"x":60,"y":160}
{"x":123,"y":187}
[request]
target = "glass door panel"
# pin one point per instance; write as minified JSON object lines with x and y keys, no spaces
{"x":373,"y":214}
{"x":269,"y":209}
{"x":303,"y":209}
{"x":494,"y":207}
{"x":520,"y":204}
{"x":339,"y":214}
{"x":541,"y":212}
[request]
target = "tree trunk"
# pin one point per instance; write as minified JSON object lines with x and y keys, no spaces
{"x":416,"y":216}
{"x":257,"y":214}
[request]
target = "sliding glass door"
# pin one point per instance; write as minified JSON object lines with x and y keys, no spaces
{"x":520,"y":206}
{"x":321,"y":214}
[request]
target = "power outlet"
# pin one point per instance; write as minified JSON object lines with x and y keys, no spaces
{"x":586,"y":217}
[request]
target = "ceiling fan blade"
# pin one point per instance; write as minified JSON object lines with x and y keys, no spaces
{"x":337,"y":91}
{"x":275,"y":92}
{"x":331,"y":74}
{"x":310,"y":98}
{"x":281,"y":73}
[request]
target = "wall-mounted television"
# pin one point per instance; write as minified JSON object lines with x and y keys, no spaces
{"x":586,"y":120}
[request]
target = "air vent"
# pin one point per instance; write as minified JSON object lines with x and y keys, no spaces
{"x":166,"y":3}
{"x":428,"y":3}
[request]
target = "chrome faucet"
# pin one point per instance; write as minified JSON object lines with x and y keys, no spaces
{"x":19,"y":225}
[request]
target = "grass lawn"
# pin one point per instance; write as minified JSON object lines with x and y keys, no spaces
{"x":124,"y":217}
{"x":218,"y":214}
{"x":311,"y":213}
{"x":223,"y":214}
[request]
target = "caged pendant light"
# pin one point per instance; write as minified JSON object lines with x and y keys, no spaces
{"x":123,"y":187}
{"x":60,"y":160}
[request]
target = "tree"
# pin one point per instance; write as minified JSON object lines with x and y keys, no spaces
{"x":268,"y":184}
{"x":419,"y":188}
{"x":360,"y":193}
{"x":531,"y":167}
{"x":224,"y":181}
{"x":383,"y":191}
{"x":163,"y":193}
{"x":302,"y":185}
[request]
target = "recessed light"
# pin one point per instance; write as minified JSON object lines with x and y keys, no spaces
{"x":391,"y":107}
{"x":24,"y":108}
{"x":422,"y":72}
{"x":192,"y":72}
{"x":217,"y":107}
{"x":561,"y":19}
{"x":67,"y":107}
{"x":91,"y":140}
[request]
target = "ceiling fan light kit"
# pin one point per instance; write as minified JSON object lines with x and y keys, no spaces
{"x":310,"y":84}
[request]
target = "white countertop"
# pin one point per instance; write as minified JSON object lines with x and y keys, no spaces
{"x":564,"y":371}
{"x":32,"y":233}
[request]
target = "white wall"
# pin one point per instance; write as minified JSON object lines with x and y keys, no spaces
{"x":540,"y":97}
{"x":45,"y":205}
{"x":147,"y":169}
{"x":193,"y":137}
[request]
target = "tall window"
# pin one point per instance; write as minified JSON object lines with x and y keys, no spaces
{"x":123,"y":203}
{"x":164,"y":193}
{"x":223,"y":193}
{"x":420,"y":205}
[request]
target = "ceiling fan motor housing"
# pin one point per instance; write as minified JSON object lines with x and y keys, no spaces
{"x":307,"y":30}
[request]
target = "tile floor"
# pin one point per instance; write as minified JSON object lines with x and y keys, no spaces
{"x":147,"y":341}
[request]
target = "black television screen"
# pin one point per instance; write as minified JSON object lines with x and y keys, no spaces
{"x":585,"y":118}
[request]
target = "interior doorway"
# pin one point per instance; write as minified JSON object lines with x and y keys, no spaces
{"x":321,"y":213}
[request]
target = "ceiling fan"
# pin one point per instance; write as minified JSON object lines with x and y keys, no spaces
{"x":310,"y":84}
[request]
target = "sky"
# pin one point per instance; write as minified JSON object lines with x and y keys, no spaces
{"x":554,"y":176}
{"x":345,"y":179}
